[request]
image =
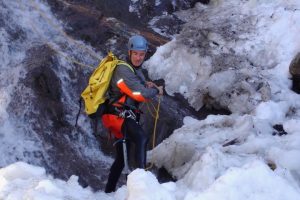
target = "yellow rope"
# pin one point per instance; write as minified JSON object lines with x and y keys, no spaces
{"x":150,"y":112}
{"x":149,"y":109}
{"x":154,"y":133}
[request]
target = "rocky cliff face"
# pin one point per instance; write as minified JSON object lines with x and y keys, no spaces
{"x":37,"y":101}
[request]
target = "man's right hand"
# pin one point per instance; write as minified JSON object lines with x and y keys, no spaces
{"x":160,"y":90}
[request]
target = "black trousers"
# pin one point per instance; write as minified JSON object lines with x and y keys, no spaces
{"x":134,"y":134}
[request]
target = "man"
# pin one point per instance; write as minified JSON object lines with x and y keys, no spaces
{"x":127,"y":89}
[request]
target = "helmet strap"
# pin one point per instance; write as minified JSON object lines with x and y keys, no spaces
{"x":129,"y":58}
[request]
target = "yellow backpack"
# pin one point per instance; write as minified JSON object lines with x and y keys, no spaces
{"x":94,"y":94}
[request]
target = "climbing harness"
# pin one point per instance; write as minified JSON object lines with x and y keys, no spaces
{"x":127,"y":114}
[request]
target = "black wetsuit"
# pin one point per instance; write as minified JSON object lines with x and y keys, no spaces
{"x":136,"y":135}
{"x":131,"y":128}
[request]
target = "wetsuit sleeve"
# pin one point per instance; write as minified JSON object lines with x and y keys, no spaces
{"x":130,"y":84}
{"x":141,"y":76}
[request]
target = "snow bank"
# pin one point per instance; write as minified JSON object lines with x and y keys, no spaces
{"x":26,"y":182}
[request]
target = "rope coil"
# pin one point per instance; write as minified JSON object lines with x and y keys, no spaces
{"x":154,"y":131}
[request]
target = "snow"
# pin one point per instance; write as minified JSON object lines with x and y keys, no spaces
{"x":261,"y":184}
{"x":248,"y":41}
{"x":141,"y":182}
{"x":238,"y":54}
{"x":134,"y":7}
{"x":24,"y":181}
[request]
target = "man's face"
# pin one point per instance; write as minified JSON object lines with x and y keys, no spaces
{"x":137,"y":57}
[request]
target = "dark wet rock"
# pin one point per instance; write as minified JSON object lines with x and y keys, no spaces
{"x":41,"y":78}
{"x":139,"y":13}
{"x":295,"y":72}
{"x":272,"y":165}
{"x":102,"y":25}
{"x":97,"y":22}
{"x":163,"y":176}
{"x":279,"y":130}
{"x":231,"y":142}
{"x":295,"y":65}
{"x":204,"y":1}
{"x":296,"y":83}
{"x":167,"y":25}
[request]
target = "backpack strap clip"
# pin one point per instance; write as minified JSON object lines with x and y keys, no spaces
{"x":125,"y":113}
{"x":128,"y":114}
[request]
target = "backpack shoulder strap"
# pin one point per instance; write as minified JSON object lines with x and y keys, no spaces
{"x":121,"y":62}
